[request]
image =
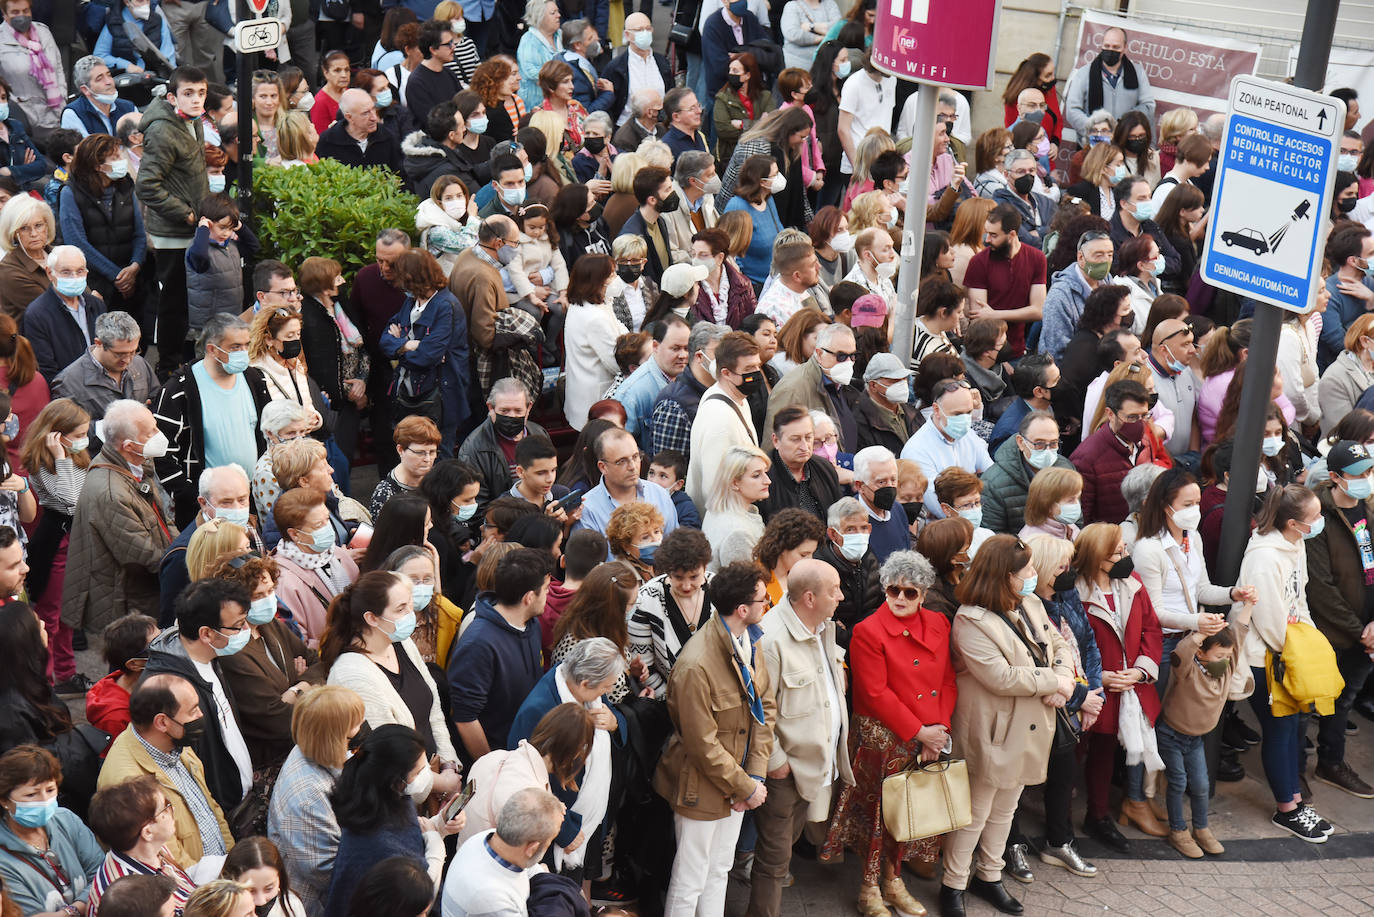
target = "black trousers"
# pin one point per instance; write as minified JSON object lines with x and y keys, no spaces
{"x":172,"y":322}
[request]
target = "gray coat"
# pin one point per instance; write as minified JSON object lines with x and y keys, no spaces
{"x":1116,"y":99}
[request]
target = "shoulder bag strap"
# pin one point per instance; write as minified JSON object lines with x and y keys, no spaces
{"x":734,"y":407}
{"x":1182,"y":580}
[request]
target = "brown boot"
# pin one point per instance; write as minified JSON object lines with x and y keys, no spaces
{"x":1208,"y":841}
{"x":1139,"y":814}
{"x":1183,"y":842}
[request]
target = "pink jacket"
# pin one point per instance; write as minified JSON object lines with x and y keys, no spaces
{"x":811,"y":158}
{"x":307,"y":595}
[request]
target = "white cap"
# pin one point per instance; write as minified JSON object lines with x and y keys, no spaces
{"x":680,"y":278}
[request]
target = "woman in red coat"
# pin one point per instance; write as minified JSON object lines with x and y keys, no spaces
{"x":904,"y":696}
{"x":1036,"y":72}
{"x":1130,"y":641}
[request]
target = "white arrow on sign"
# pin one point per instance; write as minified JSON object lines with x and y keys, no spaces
{"x":256,"y":35}
{"x":1262,"y":99}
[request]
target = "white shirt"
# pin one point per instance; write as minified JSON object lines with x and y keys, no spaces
{"x":779,"y":302}
{"x":871,"y":105}
{"x":929,"y":449}
{"x":1176,"y":604}
{"x":758,"y":7}
{"x":882,"y":286}
{"x":478,"y":884}
{"x":644,"y":74}
{"x":228,"y":726}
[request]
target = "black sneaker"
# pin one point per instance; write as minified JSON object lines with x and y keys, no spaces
{"x":1352,"y":728}
{"x":1230,"y":770}
{"x":1302,"y":822}
{"x":1240,"y":729}
{"x":76,"y":686}
{"x":604,"y":894}
{"x":1322,"y":824}
{"x":1343,"y":777}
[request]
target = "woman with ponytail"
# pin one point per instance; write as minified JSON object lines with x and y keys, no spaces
{"x":1224,"y":354}
{"x":367,"y":647}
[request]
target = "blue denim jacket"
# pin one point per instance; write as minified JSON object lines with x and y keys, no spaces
{"x":1067,"y":605}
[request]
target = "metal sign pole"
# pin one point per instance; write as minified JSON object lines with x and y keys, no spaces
{"x":246,"y":133}
{"x":914,"y":226}
{"x":1318,"y":30}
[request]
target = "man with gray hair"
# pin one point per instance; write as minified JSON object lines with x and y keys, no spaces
{"x":355,"y":140}
{"x":112,"y":369}
{"x":60,"y":323}
{"x":476,"y":282}
{"x":645,"y":105}
{"x":847,"y":530}
{"x":97,"y":107}
{"x":490,"y":874}
{"x":581,"y":46}
{"x":209,"y":412}
{"x":671,"y":418}
{"x":1036,"y":209}
{"x":122,"y":525}
{"x":223,"y":494}
{"x":875,"y":482}
{"x":819,"y":383}
{"x":696,"y":183}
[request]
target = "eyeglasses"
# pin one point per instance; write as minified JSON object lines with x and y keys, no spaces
{"x":627,"y":462}
{"x":910,"y":593}
{"x":840,"y":357}
{"x":1043,"y":443}
{"x":1132,"y":418}
{"x":423,"y":453}
{"x":286,"y":294}
{"x":230,"y":631}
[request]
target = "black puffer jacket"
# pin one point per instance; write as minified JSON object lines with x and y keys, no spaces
{"x":862,"y":591}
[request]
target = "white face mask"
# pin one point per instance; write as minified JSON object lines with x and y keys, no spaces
{"x":305,"y":102}
{"x":842,"y":242}
{"x":458,"y":209}
{"x":898,"y":391}
{"x":778,"y":183}
{"x":418,"y":789}
{"x":841,"y":373}
{"x":886,"y":269}
{"x":1190,"y":517}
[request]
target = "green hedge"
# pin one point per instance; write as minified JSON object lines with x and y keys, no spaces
{"x":329,"y":210}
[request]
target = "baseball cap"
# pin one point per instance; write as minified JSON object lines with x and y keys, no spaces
{"x":868,"y":311}
{"x":885,"y":366}
{"x":680,"y":278}
{"x":1349,"y":458}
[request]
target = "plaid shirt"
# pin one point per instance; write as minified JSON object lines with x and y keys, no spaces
{"x":301,"y":819}
{"x":195,"y":795}
{"x":672,"y":429}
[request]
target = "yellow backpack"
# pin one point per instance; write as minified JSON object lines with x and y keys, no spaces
{"x":1304,"y":677}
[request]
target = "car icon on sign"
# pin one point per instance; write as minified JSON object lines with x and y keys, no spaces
{"x":1246,"y":238}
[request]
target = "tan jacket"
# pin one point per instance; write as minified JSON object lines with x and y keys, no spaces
{"x":805,"y":717}
{"x":1001,"y":726}
{"x":128,"y":759}
{"x":478,"y":287}
{"x":718,"y":751}
{"x":680,"y":225}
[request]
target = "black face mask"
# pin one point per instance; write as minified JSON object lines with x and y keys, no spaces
{"x":1110,"y":58}
{"x":1154,"y":400}
{"x":669,"y":203}
{"x":595,"y":213}
{"x":735,"y":80}
{"x":507,"y":426}
{"x":884,"y":497}
{"x":1064,"y":581}
{"x":1346,"y":205}
{"x":1122,"y":568}
{"x":1138,"y":145}
{"x":266,"y":907}
{"x":1024,"y":184}
{"x":191,"y":733}
{"x":593,"y":145}
{"x":357,"y":741}
{"x":1047,"y":86}
{"x":290,"y":349}
{"x":913,"y":510}
{"x":750,"y":384}
{"x":629,"y":272}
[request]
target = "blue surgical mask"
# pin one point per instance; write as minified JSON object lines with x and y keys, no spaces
{"x":217,"y":183}
{"x":1144,"y":210}
{"x":236,"y":643}
{"x":647,"y":552}
{"x":322,"y":539}
{"x":404,"y":627}
{"x":514,"y":197}
{"x":466,"y":512}
{"x":35,"y":814}
{"x":1070,"y":513}
{"x":973,"y":514}
{"x":70,"y":286}
{"x":262,"y":610}
{"x":1346,"y":162}
{"x":4,"y":111}
{"x":529,"y":174}
{"x":113,"y":97}
{"x":235,"y":514}
{"x":1119,"y":173}
{"x":1029,"y":583}
{"x":1317,"y":528}
{"x":843,"y":70}
{"x":384,"y":98}
{"x":644,"y":40}
{"x":1359,"y":488}
{"x":739,"y":7}
{"x":421,"y":594}
{"x":1043,"y":458}
{"x":855,"y":546}
{"x":478,"y":125}
{"x":1272,"y":445}
{"x":956,"y":427}
{"x":237,"y":362}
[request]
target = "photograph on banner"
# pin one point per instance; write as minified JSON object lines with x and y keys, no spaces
{"x":1185,"y":69}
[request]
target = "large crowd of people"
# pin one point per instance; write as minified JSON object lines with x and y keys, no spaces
{"x":661,"y":531}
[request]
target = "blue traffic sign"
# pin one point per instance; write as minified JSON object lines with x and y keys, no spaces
{"x":1273,"y":187}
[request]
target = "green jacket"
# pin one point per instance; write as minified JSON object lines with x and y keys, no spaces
{"x":171,"y":176}
{"x":729,"y":108}
{"x":1005,"y":486}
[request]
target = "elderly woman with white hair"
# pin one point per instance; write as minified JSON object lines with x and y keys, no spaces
{"x":280,"y":421}
{"x":584,"y":677}
{"x":732,"y":523}
{"x":27,"y":228}
{"x":593,"y":162}
{"x":631,"y":295}
{"x":537,"y":47}
{"x":904,"y":696}
{"x":1134,"y":487}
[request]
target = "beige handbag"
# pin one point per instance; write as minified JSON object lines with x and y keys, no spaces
{"x":926,"y":800}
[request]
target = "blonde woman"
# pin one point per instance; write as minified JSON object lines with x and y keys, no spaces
{"x":296,"y":140}
{"x":631,"y":294}
{"x":27,"y":228}
{"x":870,"y":145}
{"x":1174,"y":125}
{"x":871,"y":210}
{"x":622,"y":201}
{"x":1103,"y":166}
{"x":731,"y":522}
{"x":300,"y":817}
{"x":1054,"y":504}
{"x":634,"y":532}
{"x":221,"y":898}
{"x":214,"y":540}
{"x":552,"y":169}
{"x":274,"y":346}
{"x":268,"y":96}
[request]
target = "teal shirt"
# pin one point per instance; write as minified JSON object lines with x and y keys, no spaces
{"x":229,"y":419}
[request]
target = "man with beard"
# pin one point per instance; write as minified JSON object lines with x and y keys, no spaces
{"x":1007,"y":276}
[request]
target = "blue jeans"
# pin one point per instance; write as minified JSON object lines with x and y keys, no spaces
{"x":1281,"y":749}
{"x":1166,"y":661}
{"x":1185,"y":764}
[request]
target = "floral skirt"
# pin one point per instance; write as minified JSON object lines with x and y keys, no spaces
{"x":857,"y":824}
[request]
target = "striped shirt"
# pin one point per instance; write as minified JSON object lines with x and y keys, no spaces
{"x":119,"y":865}
{"x":654,"y":638}
{"x":192,"y":793}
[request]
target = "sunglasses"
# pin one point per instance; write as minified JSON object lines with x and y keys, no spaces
{"x":910,"y":593}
